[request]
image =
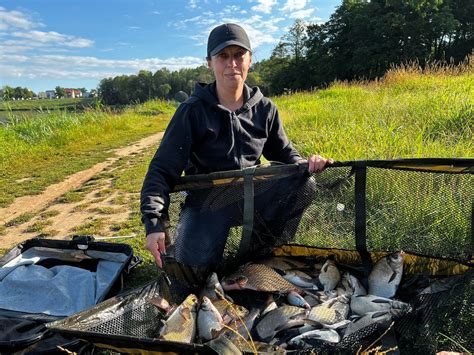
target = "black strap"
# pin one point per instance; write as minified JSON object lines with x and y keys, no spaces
{"x":248,"y":215}
{"x":360,"y":216}
{"x":471,"y":249}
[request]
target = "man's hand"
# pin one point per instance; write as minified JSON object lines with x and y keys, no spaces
{"x":155,"y":243}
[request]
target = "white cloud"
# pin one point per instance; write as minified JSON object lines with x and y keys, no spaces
{"x":192,"y":4}
{"x":59,"y":66}
{"x":15,"y":19}
{"x":264,"y":6}
{"x":302,"y":13}
{"x":34,"y":38}
{"x":292,"y":5}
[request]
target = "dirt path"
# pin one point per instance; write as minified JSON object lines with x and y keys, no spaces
{"x":62,"y":218}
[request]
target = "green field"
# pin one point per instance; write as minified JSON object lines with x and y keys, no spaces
{"x":406,"y":114}
{"x":47,"y":104}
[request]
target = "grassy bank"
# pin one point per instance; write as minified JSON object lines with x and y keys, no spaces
{"x":406,"y":114}
{"x":41,"y":149}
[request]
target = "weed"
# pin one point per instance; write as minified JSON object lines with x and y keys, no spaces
{"x":25,"y":217}
{"x":49,"y":213}
{"x":38,"y":226}
{"x":71,"y":197}
{"x":91,"y":227}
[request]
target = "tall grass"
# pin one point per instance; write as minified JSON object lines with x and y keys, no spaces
{"x":409,"y":113}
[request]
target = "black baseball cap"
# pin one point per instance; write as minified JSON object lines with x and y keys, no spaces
{"x":228,"y":34}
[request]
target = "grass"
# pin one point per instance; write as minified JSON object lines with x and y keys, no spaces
{"x":58,"y":144}
{"x":401,"y":116}
{"x":46,"y":104}
{"x":23,"y":218}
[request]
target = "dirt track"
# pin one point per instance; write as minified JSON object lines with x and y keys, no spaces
{"x":63,"y":217}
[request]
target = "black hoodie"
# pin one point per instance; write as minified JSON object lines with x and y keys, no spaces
{"x":204,"y":136}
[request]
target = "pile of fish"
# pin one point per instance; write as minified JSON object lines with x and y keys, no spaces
{"x":305,"y":304}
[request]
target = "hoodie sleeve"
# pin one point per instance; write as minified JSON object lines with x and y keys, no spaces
{"x":164,"y":170}
{"x":278,"y":147}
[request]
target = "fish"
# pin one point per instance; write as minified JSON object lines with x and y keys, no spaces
{"x":229,"y":311}
{"x":369,"y":303}
{"x":326,"y":335}
{"x":283,"y":264}
{"x":352,"y":285}
{"x":386,"y":275}
{"x":209,"y":320}
{"x":223,"y":346}
{"x":257,"y":277}
{"x":295,"y":299}
{"x":330,"y":312}
{"x":239,"y":329}
{"x":300,"y":279}
{"x":270,"y":307}
{"x":283,"y":317}
{"x":384,"y":317}
{"x":329,"y":276}
{"x":213,"y":288}
{"x":180,"y":326}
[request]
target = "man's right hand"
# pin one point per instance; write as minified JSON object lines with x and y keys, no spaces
{"x":155,"y":243}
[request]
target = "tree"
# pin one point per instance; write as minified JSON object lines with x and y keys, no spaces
{"x":60,"y":92}
{"x":7,"y":93}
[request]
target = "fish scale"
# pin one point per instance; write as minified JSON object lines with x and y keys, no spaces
{"x":262,"y":278}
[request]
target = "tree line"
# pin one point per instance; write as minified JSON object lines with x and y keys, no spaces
{"x":361,"y":40}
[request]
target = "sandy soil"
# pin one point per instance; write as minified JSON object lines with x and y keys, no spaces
{"x":62,"y":218}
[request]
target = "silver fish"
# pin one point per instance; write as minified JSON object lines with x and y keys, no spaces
{"x":330,"y":275}
{"x":352,"y":285}
{"x":283,"y":317}
{"x":181,"y":324}
{"x":213,"y":288}
{"x":295,"y":299}
{"x":368,"y":319}
{"x":386,"y":275}
{"x":369,"y":303}
{"x":327,"y":335}
{"x":209,"y":320}
{"x":300,"y":279}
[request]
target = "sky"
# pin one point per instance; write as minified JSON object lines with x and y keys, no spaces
{"x":75,"y":44}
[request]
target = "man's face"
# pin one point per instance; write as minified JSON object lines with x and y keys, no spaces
{"x":231,"y":66}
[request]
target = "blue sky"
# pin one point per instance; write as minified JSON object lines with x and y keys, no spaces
{"x":46,"y":43}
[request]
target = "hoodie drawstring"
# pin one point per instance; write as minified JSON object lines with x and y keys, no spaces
{"x":232,"y":144}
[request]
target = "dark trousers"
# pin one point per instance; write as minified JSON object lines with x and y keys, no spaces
{"x":208,"y":215}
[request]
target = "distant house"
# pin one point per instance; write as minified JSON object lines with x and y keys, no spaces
{"x":50,"y":94}
{"x":42,"y":95}
{"x":73,"y":93}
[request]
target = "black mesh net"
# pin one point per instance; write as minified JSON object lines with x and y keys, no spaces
{"x":422,"y":207}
